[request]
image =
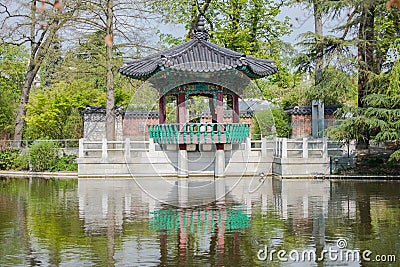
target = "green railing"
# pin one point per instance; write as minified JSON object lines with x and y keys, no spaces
{"x":199,"y":133}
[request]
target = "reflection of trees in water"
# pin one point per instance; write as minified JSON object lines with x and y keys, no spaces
{"x":46,"y":227}
{"x":374,"y":225}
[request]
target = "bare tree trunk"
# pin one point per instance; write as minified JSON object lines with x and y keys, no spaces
{"x":365,"y":51}
{"x":29,"y":78}
{"x":110,"y":115}
{"x":25,"y":91}
{"x":39,"y":49}
{"x":319,"y":62}
{"x":365,"y":61}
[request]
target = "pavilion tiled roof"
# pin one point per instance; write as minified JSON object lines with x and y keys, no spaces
{"x":198,"y":55}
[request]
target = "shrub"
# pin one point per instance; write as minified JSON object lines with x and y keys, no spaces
{"x":21,"y":163}
{"x":43,"y":155}
{"x":65,"y":163}
{"x":13,"y":159}
{"x":271,"y":122}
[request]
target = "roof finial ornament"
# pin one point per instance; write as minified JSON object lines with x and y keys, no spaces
{"x":201,"y":33}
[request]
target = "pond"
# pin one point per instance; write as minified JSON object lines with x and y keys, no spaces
{"x":180,"y":222}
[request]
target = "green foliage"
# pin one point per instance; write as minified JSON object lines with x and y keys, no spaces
{"x":65,"y":163}
{"x":281,"y":119}
{"x":336,"y":52}
{"x":395,"y":155}
{"x":334,"y":88}
{"x":70,"y":84}
{"x":55,"y":113}
{"x":145,"y":98}
{"x":250,"y":27}
{"x":13,"y":61}
{"x":52,"y":63}
{"x":196,"y":106}
{"x":380,"y":117}
{"x":168,"y":40}
{"x":43,"y":155}
{"x":86,"y":63}
{"x":270,"y":122}
{"x":286,"y":91}
{"x":383,"y":106}
{"x":13,"y":159}
{"x":352,"y":125}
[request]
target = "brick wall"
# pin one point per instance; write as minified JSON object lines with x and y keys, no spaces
{"x":137,"y":127}
{"x":302,"y":124}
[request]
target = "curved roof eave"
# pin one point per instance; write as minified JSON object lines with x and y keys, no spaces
{"x":198,"y":55}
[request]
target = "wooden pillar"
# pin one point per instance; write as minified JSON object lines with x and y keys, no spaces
{"x":212,"y":109}
{"x":181,"y":105}
{"x":162,"y":112}
{"x":235,"y":104}
{"x":220,"y":107}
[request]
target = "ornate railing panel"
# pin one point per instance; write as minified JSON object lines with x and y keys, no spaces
{"x":199,"y":133}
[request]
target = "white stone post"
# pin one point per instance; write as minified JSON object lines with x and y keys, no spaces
{"x":278,"y":148}
{"x":81,"y":148}
{"x":127,"y":148}
{"x":182,"y":164}
{"x":152,"y":146}
{"x":284,"y":147}
{"x":183,"y":192}
{"x":219,"y":163}
{"x":263,"y":146}
{"x":305,"y":147}
{"x":220,"y":190}
{"x":104,"y":148}
{"x":248,"y":145}
{"x":324,"y":148}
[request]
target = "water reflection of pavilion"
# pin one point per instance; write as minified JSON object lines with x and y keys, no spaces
{"x":209,"y":221}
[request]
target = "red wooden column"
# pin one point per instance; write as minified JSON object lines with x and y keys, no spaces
{"x":161,"y":112}
{"x":181,"y":105}
{"x":212,"y":109}
{"x":220,"y":107}
{"x":235,"y":104}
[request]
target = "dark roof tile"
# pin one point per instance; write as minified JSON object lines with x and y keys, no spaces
{"x":198,"y":55}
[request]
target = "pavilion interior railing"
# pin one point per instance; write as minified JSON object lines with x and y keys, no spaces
{"x":199,"y":133}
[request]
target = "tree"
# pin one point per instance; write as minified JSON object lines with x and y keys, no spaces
{"x":383,"y":107}
{"x":245,"y":26}
{"x":54,"y":109}
{"x":24,"y":22}
{"x":55,"y":113}
{"x":335,"y":87}
{"x":109,"y":17}
{"x":270,"y":122}
{"x":372,"y":31}
{"x":12,"y":67}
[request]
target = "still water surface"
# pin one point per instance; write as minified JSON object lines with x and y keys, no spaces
{"x":99,"y":222}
